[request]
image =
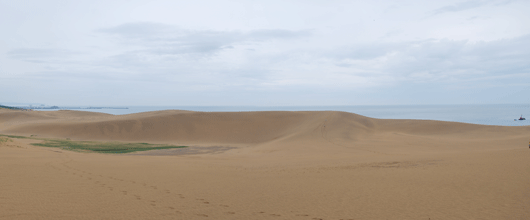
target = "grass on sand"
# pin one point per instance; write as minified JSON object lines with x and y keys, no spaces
{"x":4,"y":140}
{"x":99,"y":147}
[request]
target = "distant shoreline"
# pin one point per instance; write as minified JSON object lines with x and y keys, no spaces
{"x":492,"y":114}
{"x":69,"y":108}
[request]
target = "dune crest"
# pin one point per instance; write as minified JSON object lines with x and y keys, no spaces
{"x":274,"y":130}
{"x":226,"y":127}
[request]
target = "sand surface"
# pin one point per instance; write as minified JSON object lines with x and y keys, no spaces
{"x":264,"y":165}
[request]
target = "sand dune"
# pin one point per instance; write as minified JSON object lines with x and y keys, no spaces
{"x":233,"y":127}
{"x":275,"y":165}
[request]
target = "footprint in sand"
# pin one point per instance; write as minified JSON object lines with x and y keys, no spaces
{"x":202,"y":215}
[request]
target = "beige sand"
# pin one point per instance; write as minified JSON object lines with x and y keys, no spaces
{"x":264,"y":165}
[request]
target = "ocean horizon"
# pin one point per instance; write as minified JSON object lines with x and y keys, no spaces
{"x":490,"y":114}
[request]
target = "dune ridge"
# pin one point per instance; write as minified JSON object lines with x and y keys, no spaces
{"x":235,"y":127}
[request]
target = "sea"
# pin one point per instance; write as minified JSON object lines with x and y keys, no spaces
{"x":499,"y":114}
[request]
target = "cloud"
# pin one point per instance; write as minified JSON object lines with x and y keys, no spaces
{"x":346,"y":67}
{"x":161,"y":39}
{"x":181,"y":60}
{"x":366,"y":51}
{"x":159,"y":52}
{"x":440,"y":60}
{"x":466,"y":5}
{"x":36,"y":55}
{"x":153,"y":51}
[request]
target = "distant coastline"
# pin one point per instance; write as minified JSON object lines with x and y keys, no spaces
{"x":58,"y":108}
{"x":9,"y":107}
{"x":493,"y":114}
{"x":68,"y":108}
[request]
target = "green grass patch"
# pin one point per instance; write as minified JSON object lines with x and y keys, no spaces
{"x":92,"y":146}
{"x":14,"y":136}
{"x":104,"y":147}
{"x":5,"y":139}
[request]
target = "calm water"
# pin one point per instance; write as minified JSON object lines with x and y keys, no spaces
{"x":476,"y":114}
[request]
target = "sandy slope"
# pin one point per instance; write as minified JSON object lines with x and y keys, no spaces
{"x":281,"y":165}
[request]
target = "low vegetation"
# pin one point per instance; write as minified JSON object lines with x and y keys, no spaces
{"x":14,"y":136}
{"x":103,"y":147}
{"x":9,"y":107}
{"x":93,"y":146}
{"x":4,"y":140}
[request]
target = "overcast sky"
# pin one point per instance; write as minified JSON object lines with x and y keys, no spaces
{"x":267,"y":53}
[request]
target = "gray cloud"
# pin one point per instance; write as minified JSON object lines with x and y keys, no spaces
{"x":163,"y":39}
{"x":365,"y":52}
{"x":291,"y":49}
{"x":172,"y":54}
{"x":414,"y":61}
{"x":40,"y":55}
{"x":441,"y":60}
{"x":461,"y":6}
